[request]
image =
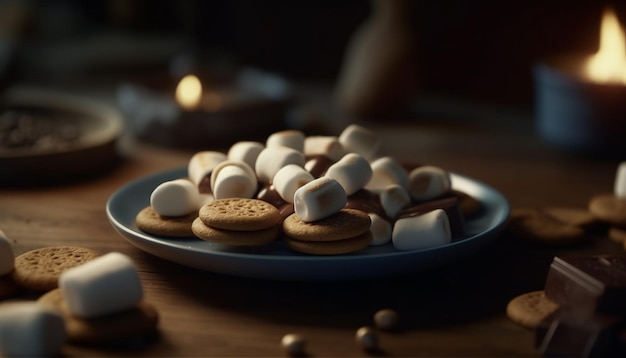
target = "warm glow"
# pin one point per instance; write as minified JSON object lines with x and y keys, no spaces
{"x":189,"y":92}
{"x":609,"y":63}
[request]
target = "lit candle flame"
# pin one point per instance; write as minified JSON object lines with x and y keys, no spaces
{"x":608,"y":65}
{"x":189,"y":92}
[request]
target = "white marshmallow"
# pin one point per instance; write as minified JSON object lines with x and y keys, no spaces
{"x":201,"y":164}
{"x":7,"y":258}
{"x":175,"y":198}
{"x":387,"y":171}
{"x":428,"y":182}
{"x":245,"y":151}
{"x":324,"y":145}
{"x":381,"y":230}
{"x":318,"y":199}
{"x":620,"y":181}
{"x":352,"y":171}
{"x":293,"y":139}
{"x":360,"y":140}
{"x":271,"y":159}
{"x":30,"y":329}
{"x":289,"y":179}
{"x":394,"y":198}
{"x":105,"y":285}
{"x":421,"y":232}
{"x":233,"y":179}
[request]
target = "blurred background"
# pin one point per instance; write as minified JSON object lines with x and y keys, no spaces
{"x":481,"y":50}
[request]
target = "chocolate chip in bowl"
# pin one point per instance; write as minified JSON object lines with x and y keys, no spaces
{"x":48,"y":137}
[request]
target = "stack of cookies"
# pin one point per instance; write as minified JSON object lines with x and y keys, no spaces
{"x":237,"y":222}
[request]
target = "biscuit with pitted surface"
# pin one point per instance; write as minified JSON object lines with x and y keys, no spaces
{"x":150,"y":221}
{"x":346,"y":223}
{"x":40,"y":269}
{"x":240,"y":214}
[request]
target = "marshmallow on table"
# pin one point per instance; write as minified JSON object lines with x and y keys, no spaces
{"x":620,"y":181}
{"x":293,"y":139}
{"x":272,"y":159}
{"x":105,"y":285}
{"x":381,"y":230}
{"x":178,"y":197}
{"x":318,"y":199}
{"x":245,"y":151}
{"x":428,"y":182}
{"x":233,"y":179}
{"x":328,"y":146}
{"x":202,"y":163}
{"x":289,"y":179}
{"x":360,"y":140}
{"x":352,"y":171}
{"x":420,"y":232}
{"x":30,"y":329}
{"x":387,"y":171}
{"x":394,"y":198}
{"x":7,"y":259}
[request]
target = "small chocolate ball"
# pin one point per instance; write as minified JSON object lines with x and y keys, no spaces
{"x":367,"y":338}
{"x":386,"y":319}
{"x":294,"y":344}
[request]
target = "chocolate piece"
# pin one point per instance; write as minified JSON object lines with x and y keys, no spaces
{"x":588,"y":284}
{"x":270,"y":195}
{"x":368,"y":202}
{"x":204,"y":186}
{"x":447,"y":204}
{"x":565,"y":334}
{"x":318,"y":164}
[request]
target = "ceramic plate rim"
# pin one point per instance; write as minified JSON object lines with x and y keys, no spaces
{"x":496,"y":205}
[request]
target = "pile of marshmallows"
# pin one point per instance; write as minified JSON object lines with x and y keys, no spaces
{"x":289,"y":163}
{"x":106,"y":285}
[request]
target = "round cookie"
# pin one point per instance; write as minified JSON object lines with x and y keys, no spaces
{"x":529,"y":309}
{"x":138,"y":321}
{"x":337,"y":247}
{"x":609,"y":208}
{"x":538,"y":227}
{"x":617,"y":234}
{"x":346,"y":223}
{"x":572,"y":216}
{"x":233,"y":237}
{"x":40,"y":269}
{"x":240,"y":214}
{"x":150,"y":221}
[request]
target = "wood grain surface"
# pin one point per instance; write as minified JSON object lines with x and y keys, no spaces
{"x":456,"y":310}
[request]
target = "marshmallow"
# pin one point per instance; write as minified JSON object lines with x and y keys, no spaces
{"x":175,"y":198}
{"x":105,"y":285}
{"x":271,"y":159}
{"x":289,"y":179}
{"x":428,"y":182}
{"x":288,"y":138}
{"x":201,"y":164}
{"x":30,"y":329}
{"x":245,"y":151}
{"x":620,"y":181}
{"x":233,"y":179}
{"x":420,"y":232}
{"x":360,"y":140}
{"x":387,"y":171}
{"x":328,"y":146}
{"x":352,"y":171}
{"x":7,"y":259}
{"x":318,"y":199}
{"x":393,"y":199}
{"x":381,"y":230}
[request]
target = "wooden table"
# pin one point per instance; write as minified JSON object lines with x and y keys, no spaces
{"x":456,"y":310}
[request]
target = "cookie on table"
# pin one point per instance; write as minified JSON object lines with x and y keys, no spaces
{"x":572,"y":216}
{"x":529,"y":309}
{"x":150,"y":221}
{"x":609,"y":208}
{"x":117,"y":327}
{"x":40,"y":269}
{"x":238,"y":222}
{"x":536,"y":226}
{"x":343,"y":232}
{"x":617,"y":234}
